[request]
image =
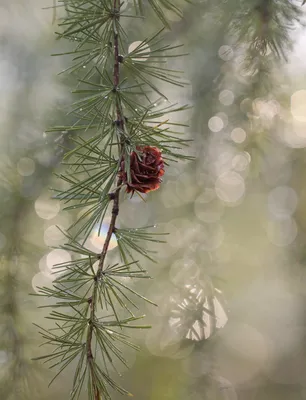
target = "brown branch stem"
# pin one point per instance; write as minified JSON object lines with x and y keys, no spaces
{"x":265,"y":16}
{"x":92,"y":300}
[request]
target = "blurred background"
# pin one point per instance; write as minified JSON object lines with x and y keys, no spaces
{"x":235,"y":216}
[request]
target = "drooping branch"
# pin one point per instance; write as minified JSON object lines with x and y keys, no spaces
{"x":124,"y":150}
{"x":115,"y":210}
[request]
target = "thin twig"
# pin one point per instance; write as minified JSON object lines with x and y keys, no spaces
{"x":261,"y":42}
{"x":115,"y":211}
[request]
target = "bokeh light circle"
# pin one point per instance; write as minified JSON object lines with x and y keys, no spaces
{"x":98,"y":235}
{"x":43,"y":267}
{"x":282,"y":232}
{"x":265,"y":109}
{"x":57,"y":256}
{"x":250,"y":350}
{"x":47,"y":208}
{"x":293,"y":134}
{"x":39,"y":280}
{"x":163,"y":342}
{"x":241,"y":161}
{"x":180,"y":232}
{"x":54,"y":235}
{"x":282,"y":201}
{"x":26,"y":166}
{"x":238,"y":135}
{"x":142,"y":53}
{"x":298,"y":105}
{"x":226,"y":97}
{"x":215,"y":124}
{"x":226,"y":53}
{"x":230,"y":187}
{"x":246,"y":105}
{"x":223,"y":162}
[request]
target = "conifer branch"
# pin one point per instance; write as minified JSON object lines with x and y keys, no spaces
{"x":121,"y":145}
{"x":263,"y":33}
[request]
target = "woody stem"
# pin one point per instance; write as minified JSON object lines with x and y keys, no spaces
{"x":92,"y":300}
